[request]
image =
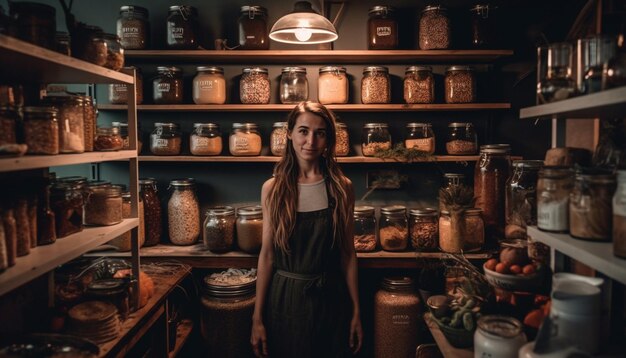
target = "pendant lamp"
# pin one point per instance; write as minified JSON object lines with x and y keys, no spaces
{"x":303,"y":26}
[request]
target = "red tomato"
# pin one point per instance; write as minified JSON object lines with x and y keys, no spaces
{"x":516,"y":269}
{"x":502,"y":268}
{"x":491,"y":264}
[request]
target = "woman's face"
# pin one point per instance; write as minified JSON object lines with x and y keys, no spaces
{"x":309,"y":136}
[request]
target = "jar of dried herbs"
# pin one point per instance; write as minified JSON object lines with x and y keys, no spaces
{"x":590,"y":206}
{"x":219,"y":229}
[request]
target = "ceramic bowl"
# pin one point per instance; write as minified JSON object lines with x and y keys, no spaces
{"x":438,"y":305}
{"x":511,"y":282}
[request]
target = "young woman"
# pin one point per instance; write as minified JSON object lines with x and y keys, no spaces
{"x":307,"y":300}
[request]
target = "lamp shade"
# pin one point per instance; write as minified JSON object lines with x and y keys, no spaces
{"x":303,"y":26}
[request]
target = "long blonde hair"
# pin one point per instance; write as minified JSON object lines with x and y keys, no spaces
{"x":282,"y":198}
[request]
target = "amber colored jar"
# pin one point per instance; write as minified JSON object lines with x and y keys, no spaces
{"x":118,"y":92}
{"x":460,"y":85}
{"x":419,"y":85}
{"x":206,"y":139}
{"x":183,"y":29}
{"x":382,"y":28}
{"x":590,"y":206}
{"x":249,"y":228}
{"x":133,"y":27}
{"x":108,"y":139}
{"x":165,"y":139}
{"x":462,"y":139}
{"x":393,"y":228}
{"x":152,"y":211}
{"x":66,"y":200}
{"x":167,"y":87}
{"x":483,"y":30}
{"x":36,"y":23}
{"x":252,"y":27}
{"x":375,"y":85}
{"x":219,"y":229}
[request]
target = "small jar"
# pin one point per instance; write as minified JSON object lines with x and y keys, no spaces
{"x":206,"y":139}
{"x":252,"y":28}
{"x":394,"y":228}
{"x":133,"y":27}
{"x":332,"y":85}
{"x":183,"y":28}
{"x":498,"y":336}
{"x":521,"y":198}
{"x":375,"y":137}
{"x":167,"y":87}
{"x":122,"y":128}
{"x":183,"y":212}
{"x":108,"y":139}
{"x":103,"y":206}
{"x":115,"y":52}
{"x":553,"y":189}
{"x":364,"y":229}
{"x":112,"y":290}
{"x":467,"y":235}
{"x":460,"y":85}
{"x":118,"y":92}
{"x":483,"y":29}
{"x":165,"y":139}
{"x":63,"y":43}
{"x":35,"y":22}
{"x":619,"y":216}
{"x":590,"y":203}
{"x":8,"y":125}
{"x":66,"y":201}
{"x":419,"y":85}
{"x":94,"y":48}
{"x":462,"y":139}
{"x":294,"y":86}
{"x":420,"y":136}
{"x":209,"y":85}
{"x":382,"y":28}
{"x":375,"y":85}
{"x":434,"y":28}
{"x":254,"y":86}
{"x":490,"y":175}
{"x":249,"y":226}
{"x":245,"y":140}
{"x":278,"y":138}
{"x":152,"y":211}
{"x":424,"y":229}
{"x":71,"y":114}
{"x":219,"y":229}
{"x":342,"y":145}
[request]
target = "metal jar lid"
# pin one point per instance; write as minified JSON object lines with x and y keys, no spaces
{"x":412,"y":69}
{"x":336,"y":69}
{"x":393,"y":209}
{"x":401,"y":283}
{"x":210,"y":69}
{"x":370,"y":69}
{"x":294,"y":69}
{"x":381,"y":8}
{"x":134,"y":8}
{"x":459,"y":68}
{"x":250,"y":211}
{"x":280,"y":125}
{"x":495,"y":148}
{"x":166,"y":124}
{"x":213,"y":288}
{"x":182,"y":183}
{"x":375,"y":125}
{"x":169,"y":69}
{"x":185,"y":10}
{"x":454,"y":176}
{"x":221,"y":210}
{"x":245,"y":126}
{"x":434,"y":8}
{"x":255,"y":70}
{"x":423,"y":212}
{"x":418,"y":125}
{"x":364,"y":210}
{"x":207,"y":125}
{"x":460,"y":125}
{"x":253,"y":10}
{"x":147,"y":181}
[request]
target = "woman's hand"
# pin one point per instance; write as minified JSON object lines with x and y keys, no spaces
{"x":258,"y":339}
{"x":356,"y":334}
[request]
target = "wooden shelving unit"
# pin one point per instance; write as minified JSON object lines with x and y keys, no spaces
{"x":41,"y":161}
{"x":183,"y":331}
{"x":273,"y":159}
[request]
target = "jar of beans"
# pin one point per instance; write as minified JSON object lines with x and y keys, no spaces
{"x":332,"y":85}
{"x":462,"y":139}
{"x":219,"y":229}
{"x":118,"y":92}
{"x":364,"y":229}
{"x":434,"y":28}
{"x":133,"y":27}
{"x":165,"y":139}
{"x":375,"y":85}
{"x":183,"y":212}
{"x":420,"y":136}
{"x":342,"y":145}
{"x":206,"y":139}
{"x":460,"y":85}
{"x":278,"y":138}
{"x":424,"y":229}
{"x":294,"y":86}
{"x":375,"y":137}
{"x":419,"y":85}
{"x":382,"y":28}
{"x":254,"y":86}
{"x":394,"y":229}
{"x":152,"y":210}
{"x":167,"y":87}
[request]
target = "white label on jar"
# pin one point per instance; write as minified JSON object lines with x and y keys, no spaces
{"x":401,"y":319}
{"x":177,"y":32}
{"x":163,"y":87}
{"x":120,"y":88}
{"x":383,"y":31}
{"x":424,"y":144}
{"x":552,"y":215}
{"x":206,"y":85}
{"x":160,"y":143}
{"x":130,"y":32}
{"x":241,"y":143}
{"x":201,"y":142}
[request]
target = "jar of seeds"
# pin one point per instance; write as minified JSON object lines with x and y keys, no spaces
{"x":420,"y":136}
{"x":342,"y":145}
{"x":424,"y":229}
{"x":183,"y":212}
{"x":375,"y":137}
{"x":165,"y":139}
{"x":419,"y":85}
{"x":219,"y":229}
{"x":460,"y":85}
{"x":254,"y":86}
{"x":364,"y":229}
{"x":462,"y":139}
{"x":167,"y":86}
{"x":206,"y":139}
{"x":434,"y":28}
{"x":278,"y":138}
{"x":375,"y":85}
{"x":41,"y":130}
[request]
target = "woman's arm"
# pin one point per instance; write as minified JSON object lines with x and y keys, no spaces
{"x":258,"y":338}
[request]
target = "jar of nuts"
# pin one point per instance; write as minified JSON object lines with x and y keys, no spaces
{"x":278,"y":138}
{"x":108,"y":139}
{"x":103,"y":206}
{"x":332,"y":85}
{"x":219,"y":229}
{"x":420,"y":136}
{"x":183,"y":212}
{"x":245,"y":140}
{"x":375,"y":137}
{"x":394,"y":228}
{"x":165,"y":139}
{"x":206,"y":139}
{"x":118,"y":92}
{"x":460,"y":85}
{"x":434,"y":28}
{"x":419,"y":85}
{"x":375,"y":85}
{"x":424,"y":229}
{"x":342,"y":145}
{"x":254,"y":86}
{"x":462,"y":139}
{"x":115,"y":52}
{"x":167,"y":86}
{"x":364,"y":229}
{"x":294,"y":86}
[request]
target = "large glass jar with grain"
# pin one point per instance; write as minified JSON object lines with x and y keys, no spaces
{"x":219,"y":229}
{"x":462,"y":231}
{"x":332,"y":85}
{"x":364,"y":228}
{"x":152,"y":210}
{"x":590,"y":206}
{"x":424,"y":229}
{"x":553,"y":189}
{"x":420,"y":136}
{"x":254,"y":86}
{"x":278,"y":138}
{"x":375,"y":137}
{"x":252,"y":28}
{"x":71,"y":114}
{"x":183,"y":212}
{"x":294,"y":86}
{"x":419,"y":85}
{"x":249,"y":228}
{"x":342,"y":145}
{"x":165,"y":139}
{"x":133,"y":27}
{"x":375,"y":85}
{"x":460,"y":85}
{"x":434,"y":28}
{"x":209,"y":85}
{"x":245,"y":140}
{"x":393,"y":228}
{"x":118,"y":92}
{"x":382,"y":28}
{"x":41,"y":130}
{"x":206,"y":139}
{"x":167,"y":86}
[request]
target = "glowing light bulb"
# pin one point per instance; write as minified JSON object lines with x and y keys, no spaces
{"x":303,"y":34}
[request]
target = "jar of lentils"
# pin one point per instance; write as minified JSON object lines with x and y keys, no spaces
{"x":375,"y":85}
{"x":206,"y":139}
{"x":332,"y":85}
{"x":462,"y":139}
{"x":364,"y":229}
{"x":183,"y":212}
{"x":394,"y":228}
{"x":41,"y":130}
{"x":209,"y":85}
{"x":165,"y":139}
{"x":460,"y":85}
{"x":375,"y":137}
{"x":167,"y":87}
{"x":342,"y":145}
{"x":219,"y":229}
{"x":294,"y":86}
{"x":419,"y":85}
{"x":420,"y":136}
{"x":434,"y":28}
{"x":133,"y":27}
{"x":254,"y":86}
{"x":278,"y":138}
{"x":424,"y":229}
{"x":245,"y":140}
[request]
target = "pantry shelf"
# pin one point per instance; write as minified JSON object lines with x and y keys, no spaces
{"x":183,"y":331}
{"x":273,"y":159}
{"x":43,"y":161}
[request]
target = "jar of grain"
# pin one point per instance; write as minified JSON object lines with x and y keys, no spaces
{"x":460,"y":85}
{"x":183,"y":212}
{"x":249,"y":227}
{"x":294,"y":86}
{"x":434,"y":28}
{"x":209,"y":85}
{"x":118,"y":92}
{"x":115,"y":52}
{"x":332,"y":85}
{"x":41,"y":130}
{"x":498,"y":336}
{"x":397,"y":318}
{"x":183,"y":29}
{"x":382,"y":28}
{"x":103,"y":206}
{"x":521,"y":198}
{"x":619,"y":216}
{"x":419,"y":85}
{"x":483,"y":30}
{"x":463,"y":231}
{"x":206,"y":139}
{"x":227,"y":307}
{"x":375,"y":137}
{"x":108,"y":139}
{"x":424,"y":229}
{"x":66,"y":201}
{"x":254,"y":86}
{"x":252,"y":26}
{"x":152,"y":211}
{"x":394,"y":228}
{"x":165,"y":139}
{"x":245,"y":140}
{"x":8,"y":125}
{"x":71,"y":114}
{"x":342,"y":145}
{"x":590,"y":206}
{"x":123,"y":242}
{"x":89,"y":122}
{"x":375,"y":85}
{"x":553,"y":189}
{"x":167,"y":86}
{"x":219,"y":229}
{"x":420,"y":136}
{"x":462,"y":139}
{"x":278,"y":138}
{"x":364,"y":229}
{"x":133,"y":27}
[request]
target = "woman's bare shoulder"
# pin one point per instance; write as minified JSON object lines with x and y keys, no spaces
{"x":268,"y":185}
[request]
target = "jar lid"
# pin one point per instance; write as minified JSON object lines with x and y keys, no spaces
{"x":108,"y":130}
{"x":433,"y":8}
{"x":106,"y":191}
{"x":245,"y":126}
{"x":252,"y":210}
{"x":454,"y":176}
{"x":381,"y":8}
{"x":393,"y":209}
{"x":375,"y":125}
{"x":134,"y":8}
{"x":187,"y":9}
{"x":206,"y":125}
{"x":417,"y":68}
{"x":231,"y":283}
{"x":279,"y":125}
{"x":531,"y":164}
{"x":98,"y":183}
{"x":220,"y":210}
{"x":418,"y":125}
{"x":256,"y":10}
{"x":555,"y":171}
{"x":495,"y":148}
{"x":459,"y":68}
{"x":119,"y":124}
{"x":182,"y":182}
{"x":166,"y":124}
{"x":169,"y":69}
{"x":460,"y":124}
{"x":364,"y":210}
{"x":147,"y":181}
{"x":211,"y":69}
{"x":401,"y":283}
{"x":332,"y":69}
{"x":500,"y":326}
{"x":73,"y":180}
{"x":41,"y":110}
{"x":423,"y":212}
{"x":255,"y":70}
{"x":341,"y":125}
{"x":375,"y":69}
{"x":294,"y":69}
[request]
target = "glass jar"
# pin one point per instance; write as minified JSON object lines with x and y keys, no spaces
{"x":122,"y":128}
{"x":462,"y":139}
{"x":115,"y":52}
{"x":183,"y":29}
{"x":394,"y":228}
{"x":278,"y":138}
{"x":252,"y":26}
{"x":342,"y":145}
{"x":590,"y":206}
{"x":364,"y":229}
{"x":382,"y":29}
{"x":614,"y":72}
{"x":332,"y":85}
{"x":498,"y":336}
{"x":619,"y":216}
{"x":118,"y":92}
{"x":63,"y":43}
{"x":89,"y":122}
{"x":483,"y":30}
{"x":424,"y":229}
{"x":46,"y":221}
{"x":558,"y":83}
{"x":167,"y":86}
{"x":397,"y":318}
{"x":434,"y":28}
{"x":112,"y":290}
{"x":553,"y":189}
{"x":463,"y":231}
{"x":245,"y":140}
{"x":294,"y":86}
{"x":66,"y":201}
{"x":209,"y":85}
{"x":108,"y":139}
{"x":206,"y":139}
{"x":254,"y":86}
{"x":71,"y":114}
{"x":460,"y":85}
{"x":35,"y":22}
{"x":152,"y":211}
{"x":419,"y":85}
{"x":165,"y":139}
{"x":375,"y":137}
{"x":183,"y":212}
{"x":375,"y":85}
{"x":450,"y":180}
{"x":420,"y":136}
{"x":219,"y":229}
{"x":103,"y":206}
{"x":8,"y":125}
{"x":133,"y":27}
{"x":521,"y":198}
{"x":249,"y":226}
{"x":123,"y":242}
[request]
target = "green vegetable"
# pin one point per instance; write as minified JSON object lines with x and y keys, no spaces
{"x":468,"y":321}
{"x":469,"y":304}
{"x":457,"y":319}
{"x":446,"y":320}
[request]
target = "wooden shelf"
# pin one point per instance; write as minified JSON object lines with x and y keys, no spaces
{"x":445,"y":347}
{"x":44,"y":258}
{"x":43,"y":161}
{"x":273,"y":159}
{"x":605,"y":104}
{"x":183,"y":331}
{"x":598,"y":255}
{"x":24,"y":62}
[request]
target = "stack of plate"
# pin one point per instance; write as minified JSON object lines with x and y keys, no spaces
{"x":94,"y":320}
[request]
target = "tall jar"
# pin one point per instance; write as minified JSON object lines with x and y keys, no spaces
{"x":72,"y":132}
{"x":89,"y":122}
{"x":115,"y":52}
{"x":8,"y":125}
{"x":183,"y":212}
{"x":66,"y":201}
{"x":219,"y":229}
{"x":553,"y":189}
{"x":183,"y":29}
{"x":521,"y":198}
{"x":462,"y":139}
{"x":249,"y":226}
{"x":278,"y":138}
{"x":463,"y":231}
{"x":245,"y":140}
{"x":41,"y":130}
{"x":394,"y":228}
{"x":619,"y":216}
{"x":152,"y":211}
{"x":483,"y":30}
{"x":434,"y":28}
{"x":252,"y":28}
{"x":254,"y":86}
{"x":498,"y":336}
{"x":342,"y":145}
{"x":382,"y":29}
{"x":118,"y":92}
{"x":424,"y":229}
{"x":206,"y":139}
{"x":123,"y":242}
{"x":375,"y":136}
{"x":294,"y":86}
{"x":167,"y":86}
{"x":332,"y":85}
{"x":364,"y":229}
{"x":133,"y":27}
{"x":375,"y":85}
{"x":420,"y":136}
{"x":590,"y":205}
{"x":165,"y":139}
{"x":46,"y":220}
{"x":419,"y":85}
{"x":397,"y":318}
{"x":103,"y":206}
{"x":209,"y":85}
{"x":460,"y":85}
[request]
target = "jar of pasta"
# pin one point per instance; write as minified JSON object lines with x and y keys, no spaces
{"x":342,"y":144}
{"x":375,"y":85}
{"x":375,"y":137}
{"x":419,"y":85}
{"x":165,"y":139}
{"x":460,"y":85}
{"x":254,"y":86}
{"x":394,"y":228}
{"x":420,"y":136}
{"x":206,"y":139}
{"x":245,"y":140}
{"x":332,"y":85}
{"x":209,"y":85}
{"x":167,"y":86}
{"x":278,"y":138}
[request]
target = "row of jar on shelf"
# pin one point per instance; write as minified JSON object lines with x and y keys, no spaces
{"x":209,"y":85}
